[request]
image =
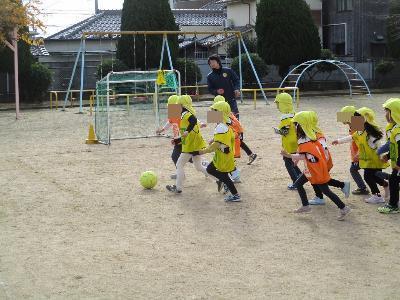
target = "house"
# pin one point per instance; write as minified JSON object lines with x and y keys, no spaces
{"x":356,"y":29}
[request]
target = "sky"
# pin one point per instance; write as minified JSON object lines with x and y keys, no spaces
{"x":59,"y":14}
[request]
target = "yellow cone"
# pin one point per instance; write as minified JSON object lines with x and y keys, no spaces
{"x":92,"y":136}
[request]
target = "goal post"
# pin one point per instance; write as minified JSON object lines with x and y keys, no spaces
{"x":133,"y":104}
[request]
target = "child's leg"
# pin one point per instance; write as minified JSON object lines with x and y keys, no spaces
{"x":336,"y":183}
{"x":176,"y":153}
{"x":317,"y":192}
{"x":354,"y":171}
{"x":180,"y":169}
{"x":300,"y":189}
{"x":379,"y":180}
{"x":331,"y":195}
{"x":394,"y":181}
{"x":198,"y":165}
{"x":369,"y":177}
{"x":224,"y":177}
{"x":292,"y":169}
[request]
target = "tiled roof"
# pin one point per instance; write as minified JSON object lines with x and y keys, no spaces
{"x":216,"y":4}
{"x":110,"y":20}
{"x":39,"y":50}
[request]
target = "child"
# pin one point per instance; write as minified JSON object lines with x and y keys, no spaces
{"x":286,"y":129}
{"x":223,"y":146}
{"x":238,"y":130}
{"x":192,"y":141}
{"x":344,"y":186}
{"x":354,"y":168}
{"x":368,"y":143}
{"x":316,"y":168}
{"x":392,"y":109}
{"x":174,"y":123}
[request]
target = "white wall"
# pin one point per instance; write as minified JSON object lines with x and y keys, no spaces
{"x":239,"y":13}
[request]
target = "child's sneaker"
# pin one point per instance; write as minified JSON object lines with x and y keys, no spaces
{"x":252,"y":158}
{"x":346,"y":189}
{"x":387,"y":192}
{"x":316,"y":201}
{"x":303,"y":209}
{"x":374,"y":199}
{"x":388,"y":209}
{"x":233,"y":198}
{"x":173,"y":189}
{"x":359,"y":191}
{"x":343,"y":212}
{"x":291,"y":187}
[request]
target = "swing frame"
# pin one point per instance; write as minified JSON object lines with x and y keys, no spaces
{"x":82,"y":51}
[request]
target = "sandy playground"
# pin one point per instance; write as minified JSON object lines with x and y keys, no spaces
{"x":75,"y":223}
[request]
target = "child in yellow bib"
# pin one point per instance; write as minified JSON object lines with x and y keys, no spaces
{"x":192,"y":141}
{"x":368,"y":143}
{"x":223,"y":147}
{"x":392,"y":110}
{"x":287,"y":131}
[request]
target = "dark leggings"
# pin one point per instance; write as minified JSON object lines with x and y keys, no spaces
{"x":293,"y":170}
{"x":324,"y":188}
{"x":372,"y":179}
{"x":222,"y":176}
{"x":332,"y":182}
{"x":244,"y":146}
{"x":394,"y":181}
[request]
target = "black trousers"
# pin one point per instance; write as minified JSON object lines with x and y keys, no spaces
{"x":293,"y":170}
{"x":244,"y":146}
{"x":332,"y":182}
{"x":394,"y":181}
{"x":372,"y":179}
{"x":222,"y":176}
{"x":324,"y":188}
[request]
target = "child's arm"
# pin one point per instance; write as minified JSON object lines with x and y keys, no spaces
{"x":343,"y":140}
{"x":211,"y":148}
{"x":295,"y":157}
{"x":384,"y":148}
{"x":283,"y":131}
{"x":164,"y":128}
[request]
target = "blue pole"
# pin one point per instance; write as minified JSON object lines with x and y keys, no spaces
{"x":254,"y":70}
{"x":72,"y":76}
{"x":82,"y":75}
{"x":162,"y":53}
{"x":240,"y":71}
{"x":170,"y":63}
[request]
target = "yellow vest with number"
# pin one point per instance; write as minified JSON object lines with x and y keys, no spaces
{"x":289,"y":141}
{"x":368,"y":158}
{"x":194,"y":140}
{"x":224,"y":162}
{"x":394,"y":149}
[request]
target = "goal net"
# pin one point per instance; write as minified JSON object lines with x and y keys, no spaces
{"x":133,"y":104}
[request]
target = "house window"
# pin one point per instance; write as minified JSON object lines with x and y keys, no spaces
{"x":344,"y":5}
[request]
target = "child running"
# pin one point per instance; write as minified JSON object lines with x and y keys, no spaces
{"x":287,"y":130}
{"x":392,"y":110}
{"x":367,"y":142}
{"x":354,"y":167}
{"x":238,"y":130}
{"x":316,"y":167}
{"x":192,"y":141}
{"x":223,"y":147}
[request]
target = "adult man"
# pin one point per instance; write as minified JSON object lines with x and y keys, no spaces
{"x":223,"y":81}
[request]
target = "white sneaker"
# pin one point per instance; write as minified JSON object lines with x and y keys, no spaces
{"x":302,"y":209}
{"x":343,"y":212}
{"x":374,"y":199}
{"x":316,"y":201}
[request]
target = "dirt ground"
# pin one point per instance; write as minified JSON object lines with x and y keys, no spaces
{"x":76,"y":224}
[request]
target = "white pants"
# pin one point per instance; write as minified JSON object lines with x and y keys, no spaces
{"x":180,"y":167}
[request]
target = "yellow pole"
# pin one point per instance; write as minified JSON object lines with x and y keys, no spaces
{"x":56,"y":100}
{"x":127,"y":103}
{"x":51,"y":100}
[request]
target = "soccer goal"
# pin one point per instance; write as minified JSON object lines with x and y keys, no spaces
{"x":133,"y":104}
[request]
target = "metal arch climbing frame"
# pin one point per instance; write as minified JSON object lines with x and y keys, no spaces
{"x":354,"y":79}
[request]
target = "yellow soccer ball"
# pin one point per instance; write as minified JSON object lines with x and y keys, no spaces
{"x":148,"y":179}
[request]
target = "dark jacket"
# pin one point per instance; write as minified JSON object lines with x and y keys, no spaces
{"x":223,"y":78}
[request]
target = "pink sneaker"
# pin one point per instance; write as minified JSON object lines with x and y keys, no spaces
{"x":374,"y":199}
{"x":303,"y":209}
